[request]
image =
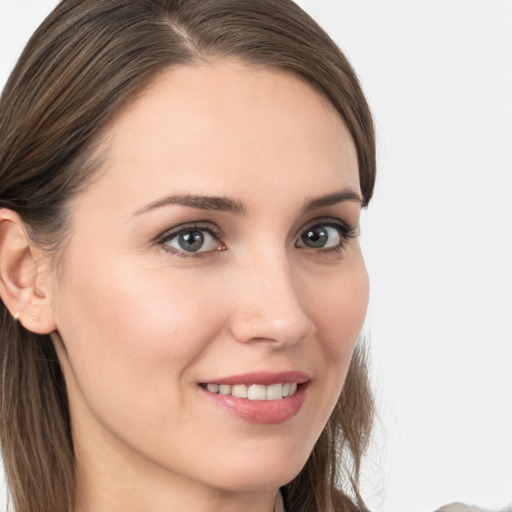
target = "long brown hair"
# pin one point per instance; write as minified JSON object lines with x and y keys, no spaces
{"x":78,"y":69}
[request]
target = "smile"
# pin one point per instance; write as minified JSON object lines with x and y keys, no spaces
{"x":266,"y":398}
{"x":255,"y":391}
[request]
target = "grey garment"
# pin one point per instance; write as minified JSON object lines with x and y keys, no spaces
{"x":460,"y":507}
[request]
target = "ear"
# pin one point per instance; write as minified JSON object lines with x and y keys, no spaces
{"x":25,"y":280}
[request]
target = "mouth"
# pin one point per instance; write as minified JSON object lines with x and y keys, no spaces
{"x":254,"y":391}
{"x":263,"y":398}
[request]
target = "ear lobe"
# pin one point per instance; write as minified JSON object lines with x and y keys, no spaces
{"x":23,"y":279}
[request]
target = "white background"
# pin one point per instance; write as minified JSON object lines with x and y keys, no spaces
{"x":437,"y":237}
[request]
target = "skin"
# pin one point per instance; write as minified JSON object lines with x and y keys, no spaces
{"x":138,"y":324}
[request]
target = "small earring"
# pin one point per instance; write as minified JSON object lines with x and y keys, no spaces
{"x":16,"y":316}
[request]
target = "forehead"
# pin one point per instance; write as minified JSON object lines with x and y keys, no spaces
{"x":216,"y":126}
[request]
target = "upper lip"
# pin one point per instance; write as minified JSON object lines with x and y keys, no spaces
{"x":264,"y":378}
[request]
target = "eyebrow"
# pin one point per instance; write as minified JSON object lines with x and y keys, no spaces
{"x":210,"y":203}
{"x":225,"y":204}
{"x":347,"y":194}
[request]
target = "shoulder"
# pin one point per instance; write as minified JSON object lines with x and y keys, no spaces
{"x":460,"y":507}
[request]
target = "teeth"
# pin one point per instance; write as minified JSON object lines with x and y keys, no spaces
{"x":255,"y":391}
{"x":275,"y":392}
{"x":239,"y":391}
{"x":224,"y":389}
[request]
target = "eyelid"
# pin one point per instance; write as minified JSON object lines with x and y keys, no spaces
{"x":199,"y":225}
{"x":330,"y":221}
{"x":169,"y":234}
{"x":346,"y":231}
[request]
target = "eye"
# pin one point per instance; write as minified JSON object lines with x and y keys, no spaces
{"x":191,"y":240}
{"x":325,"y":235}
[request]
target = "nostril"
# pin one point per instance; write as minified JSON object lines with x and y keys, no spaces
{"x":280,"y":329}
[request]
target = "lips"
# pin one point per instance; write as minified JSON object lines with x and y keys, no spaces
{"x":262,"y":397}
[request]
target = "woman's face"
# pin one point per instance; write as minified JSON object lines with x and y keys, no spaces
{"x":216,"y":250}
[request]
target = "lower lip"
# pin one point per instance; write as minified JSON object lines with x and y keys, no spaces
{"x":265,"y":412}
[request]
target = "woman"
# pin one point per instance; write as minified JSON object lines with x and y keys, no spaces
{"x":182,"y":286}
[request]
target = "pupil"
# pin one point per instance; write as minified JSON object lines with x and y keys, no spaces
{"x":315,"y":237}
{"x":191,"y":241}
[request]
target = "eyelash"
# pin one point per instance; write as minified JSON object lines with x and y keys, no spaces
{"x":211,"y":229}
{"x":346,"y":233}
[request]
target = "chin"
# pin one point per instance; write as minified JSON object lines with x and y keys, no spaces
{"x":269,"y":479}
{"x":252,"y":474}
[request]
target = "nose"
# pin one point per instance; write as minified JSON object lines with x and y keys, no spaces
{"x":268,"y":306}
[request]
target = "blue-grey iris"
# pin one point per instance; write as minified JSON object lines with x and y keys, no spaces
{"x":191,"y":241}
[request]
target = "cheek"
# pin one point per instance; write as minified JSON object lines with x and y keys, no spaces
{"x":133,"y":340}
{"x":142,"y":313}
{"x":126,"y":330}
{"x":339,"y":312}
